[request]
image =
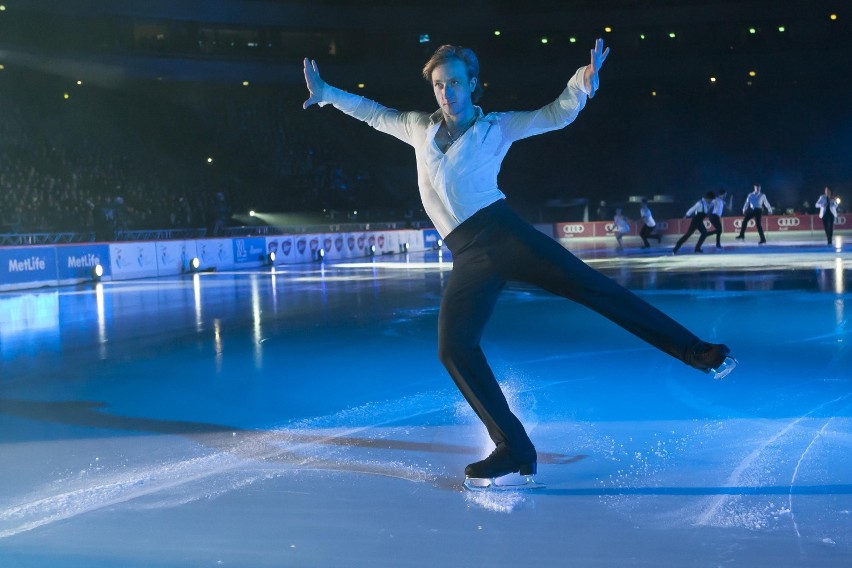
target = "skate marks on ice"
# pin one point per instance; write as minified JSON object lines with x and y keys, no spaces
{"x":781,"y":475}
{"x":202,"y":461}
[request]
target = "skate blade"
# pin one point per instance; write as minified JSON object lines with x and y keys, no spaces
{"x":486,"y":484}
{"x":725,"y":369}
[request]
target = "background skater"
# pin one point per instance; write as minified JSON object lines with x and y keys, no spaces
{"x":620,"y":226}
{"x":715,"y":216}
{"x":827,"y":204}
{"x":753,"y":209}
{"x":459,"y":150}
{"x":698,"y":213}
{"x":648,"y":225}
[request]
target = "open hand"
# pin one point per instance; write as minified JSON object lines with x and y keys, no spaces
{"x":316,"y":86}
{"x":598,"y":56}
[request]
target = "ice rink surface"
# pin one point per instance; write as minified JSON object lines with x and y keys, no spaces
{"x":300,"y":417}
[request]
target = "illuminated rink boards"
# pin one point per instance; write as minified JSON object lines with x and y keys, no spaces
{"x":300,"y":417}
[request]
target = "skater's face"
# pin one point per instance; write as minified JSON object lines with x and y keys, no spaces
{"x":757,"y":189}
{"x":453,"y":88}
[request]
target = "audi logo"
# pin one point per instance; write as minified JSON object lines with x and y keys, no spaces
{"x":573,"y":229}
{"x":840,"y":221}
{"x":662,"y":226}
{"x":788,"y":222}
{"x":738,"y":223}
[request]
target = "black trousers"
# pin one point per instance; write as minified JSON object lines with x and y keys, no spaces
{"x":697,"y":224}
{"x":496,"y":246}
{"x":755,"y":214}
{"x":828,"y":224}
{"x":716,"y":221}
{"x":646,"y":232}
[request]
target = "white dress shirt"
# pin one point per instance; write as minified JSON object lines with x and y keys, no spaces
{"x":756,"y":201}
{"x":456,"y":184}
{"x":824,"y":202}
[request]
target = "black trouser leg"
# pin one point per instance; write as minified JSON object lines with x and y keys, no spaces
{"x":749,"y":215}
{"x":828,"y":225}
{"x":716,"y":221}
{"x":696,"y":224}
{"x":757,"y":215}
{"x":467,"y":303}
{"x":645,"y":232}
{"x":703,"y":230}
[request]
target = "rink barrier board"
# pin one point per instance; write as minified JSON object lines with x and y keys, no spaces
{"x":39,"y":266}
{"x":810,"y":224}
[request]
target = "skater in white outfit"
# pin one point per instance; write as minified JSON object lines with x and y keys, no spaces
{"x":827,"y":205}
{"x":620,"y":227}
{"x":753,"y":209}
{"x":459,"y":150}
{"x":649,"y":226}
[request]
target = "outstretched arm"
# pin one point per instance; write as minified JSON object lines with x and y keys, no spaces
{"x":590,"y":76}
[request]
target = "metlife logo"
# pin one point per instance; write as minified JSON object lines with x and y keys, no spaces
{"x":27,"y":264}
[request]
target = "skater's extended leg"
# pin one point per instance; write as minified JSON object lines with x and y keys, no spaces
{"x":530,"y":256}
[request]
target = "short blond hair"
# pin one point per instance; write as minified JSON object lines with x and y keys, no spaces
{"x":466,"y":55}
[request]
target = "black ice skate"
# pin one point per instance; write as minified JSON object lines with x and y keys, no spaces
{"x":502,"y":461}
{"x":712,"y":358}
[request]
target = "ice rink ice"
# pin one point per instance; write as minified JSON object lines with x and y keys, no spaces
{"x":300,"y":417}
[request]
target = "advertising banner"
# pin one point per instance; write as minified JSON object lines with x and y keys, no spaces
{"x":786,"y":223}
{"x":430,"y":238}
{"x":133,"y":260}
{"x":74,"y":263}
{"x":173,"y":256}
{"x":249,"y":251}
{"x":574,"y":230}
{"x":35,"y":265}
{"x":214,"y":253}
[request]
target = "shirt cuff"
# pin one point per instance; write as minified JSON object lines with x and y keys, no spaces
{"x":577,"y":81}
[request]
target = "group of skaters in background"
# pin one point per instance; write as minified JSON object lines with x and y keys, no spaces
{"x":711,"y":207}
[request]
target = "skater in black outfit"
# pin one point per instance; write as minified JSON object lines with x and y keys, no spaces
{"x":827,"y":205}
{"x":715,"y":215}
{"x":459,"y":150}
{"x":698,"y":213}
{"x":649,"y":226}
{"x":753,"y":209}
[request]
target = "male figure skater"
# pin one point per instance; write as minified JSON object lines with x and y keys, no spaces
{"x":649,"y":226}
{"x":827,"y":205}
{"x":753,"y":209}
{"x":715,"y":215}
{"x":697,"y":213}
{"x":459,"y":150}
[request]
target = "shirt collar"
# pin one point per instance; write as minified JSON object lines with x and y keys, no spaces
{"x":437,"y":116}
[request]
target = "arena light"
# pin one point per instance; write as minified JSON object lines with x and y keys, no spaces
{"x":320,"y":255}
{"x":439,"y":244}
{"x":270,"y":259}
{"x":194,"y":264}
{"x":252,"y":213}
{"x":403,"y":247}
{"x":496,"y":32}
{"x":572,"y":39}
{"x":97,"y":273}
